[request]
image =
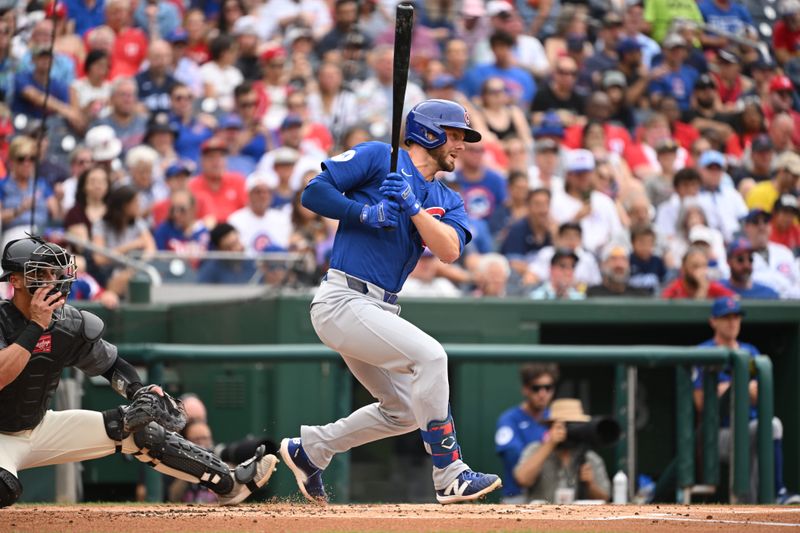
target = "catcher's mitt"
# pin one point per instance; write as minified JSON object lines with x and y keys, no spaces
{"x":148,"y":406}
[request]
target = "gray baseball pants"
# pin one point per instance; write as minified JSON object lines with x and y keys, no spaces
{"x":403,"y":367}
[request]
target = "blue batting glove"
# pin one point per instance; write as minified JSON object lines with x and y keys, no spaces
{"x":384,"y":214}
{"x":397,"y":188}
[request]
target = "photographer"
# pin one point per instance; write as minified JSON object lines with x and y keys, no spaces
{"x":563,"y":462}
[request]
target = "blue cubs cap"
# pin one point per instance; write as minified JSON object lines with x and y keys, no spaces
{"x":739,"y":244}
{"x":754,"y":215}
{"x":726,"y":306}
{"x":711,"y":157}
{"x":231,"y":122}
{"x":550,"y":126}
{"x":628,"y":44}
{"x":178,"y":35}
{"x":180,"y":167}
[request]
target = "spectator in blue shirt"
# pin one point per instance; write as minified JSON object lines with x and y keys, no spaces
{"x":740,"y":261}
{"x":193,"y":128}
{"x":530,"y":234}
{"x":182,"y":232}
{"x":523,"y":424}
{"x":728,"y":16}
{"x":726,"y":321}
{"x":648,"y":270}
{"x":482,"y":189}
{"x":225,"y":238}
{"x":674,"y":77}
{"x":85,"y":16}
{"x":519,"y":82}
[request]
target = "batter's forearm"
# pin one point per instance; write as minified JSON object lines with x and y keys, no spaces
{"x":321,"y":197}
{"x":440,"y":238}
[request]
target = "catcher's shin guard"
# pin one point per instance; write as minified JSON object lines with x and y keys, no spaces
{"x":10,"y":488}
{"x":171,"y":454}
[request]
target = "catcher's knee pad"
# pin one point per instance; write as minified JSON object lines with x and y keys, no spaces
{"x":158,"y":446}
{"x":440,"y":440}
{"x":115,"y":426}
{"x":10,"y":488}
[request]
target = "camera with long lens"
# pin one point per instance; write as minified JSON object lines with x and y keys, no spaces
{"x":596,"y":433}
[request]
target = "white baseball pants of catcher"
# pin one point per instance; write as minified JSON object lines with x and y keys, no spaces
{"x":403,"y":367}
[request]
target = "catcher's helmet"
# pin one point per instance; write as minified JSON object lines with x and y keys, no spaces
{"x":41,"y":263}
{"x":426,"y":121}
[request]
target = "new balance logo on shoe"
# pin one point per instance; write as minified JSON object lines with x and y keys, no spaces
{"x":455,"y":490}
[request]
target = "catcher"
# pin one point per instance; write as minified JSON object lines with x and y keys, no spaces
{"x":39,"y":337}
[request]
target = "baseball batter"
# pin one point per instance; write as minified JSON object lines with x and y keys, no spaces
{"x":39,"y":337}
{"x":355,"y":310}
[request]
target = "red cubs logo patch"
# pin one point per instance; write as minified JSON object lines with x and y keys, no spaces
{"x":435,"y":212}
{"x":45,"y":344}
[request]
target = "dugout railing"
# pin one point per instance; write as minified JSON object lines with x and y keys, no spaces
{"x":626,"y":359}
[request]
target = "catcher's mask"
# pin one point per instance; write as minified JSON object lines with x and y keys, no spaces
{"x":42,"y":264}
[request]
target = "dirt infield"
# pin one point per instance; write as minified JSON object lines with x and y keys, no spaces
{"x":300,"y":517}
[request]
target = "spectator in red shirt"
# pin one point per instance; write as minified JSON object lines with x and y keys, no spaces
{"x":786,"y":38}
{"x":130,"y":45}
{"x":223,"y":192}
{"x":693,"y":282}
{"x":785,"y":227}
{"x":781,"y":100}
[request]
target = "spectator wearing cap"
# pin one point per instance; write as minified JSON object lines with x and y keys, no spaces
{"x":285,"y":160}
{"x":182,"y":232}
{"x":605,"y":58}
{"x":648,"y":270}
{"x":530,"y":233}
{"x":711,"y":242}
{"x":785,"y":228}
{"x":184,"y":69}
{"x":163,"y":17}
{"x":757,"y":165}
{"x":786,"y":32}
{"x":634,"y":27}
{"x":693,"y":281}
{"x":676,"y":78}
{"x":63,"y":66}
{"x":245,"y":31}
{"x":29,"y":92}
{"x":723,"y":204}
{"x":561,"y":284}
{"x":176,"y":178}
{"x":193,"y":128}
{"x":130,"y":44}
{"x":705,"y":109}
{"x":345,"y":22}
{"x":93,"y":90}
{"x":527,"y":49}
{"x":660,"y":14}
{"x":621,"y":112}
{"x":659,"y":187}
{"x":785,"y":180}
{"x":224,"y":192}
{"x":225,"y":238}
{"x":631,"y":65}
{"x":773,"y":263}
{"x":571,"y":34}
{"x":272,"y":89}
{"x":616,"y":270}
{"x":482,"y":189}
{"x":314,"y":134}
{"x":105,"y":147}
{"x":726,"y":16}
{"x":229,"y":130}
{"x":519,"y":81}
{"x":740,"y":263}
{"x":85,"y":15}
{"x":568,"y":237}
{"x":425,"y":282}
{"x":560,"y":94}
{"x":17,"y":193}
{"x":781,"y":101}
{"x":731,"y":84}
{"x":161,"y":134}
{"x":155,"y":83}
{"x":125,"y":118}
{"x":260,"y":225}
{"x":142,"y":164}
{"x":220,"y":75}
{"x":593,"y":210}
{"x":726,"y":322}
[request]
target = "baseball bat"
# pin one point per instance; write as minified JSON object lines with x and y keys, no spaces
{"x":404,"y":21}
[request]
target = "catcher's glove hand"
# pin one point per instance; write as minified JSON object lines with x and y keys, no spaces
{"x":152,"y":404}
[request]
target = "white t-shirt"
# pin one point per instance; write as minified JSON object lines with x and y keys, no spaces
{"x":587,"y":271}
{"x":258,"y":232}
{"x":436,"y":288}
{"x":224,"y":81}
{"x":599,"y":226}
{"x":781,"y":273}
{"x":724,"y":208}
{"x":88,"y":93}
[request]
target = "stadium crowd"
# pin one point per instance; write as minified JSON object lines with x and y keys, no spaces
{"x":630,"y":147}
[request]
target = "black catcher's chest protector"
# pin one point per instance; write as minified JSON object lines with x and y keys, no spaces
{"x":25,"y":400}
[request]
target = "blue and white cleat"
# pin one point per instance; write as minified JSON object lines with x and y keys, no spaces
{"x":468,"y":486}
{"x":308,"y":476}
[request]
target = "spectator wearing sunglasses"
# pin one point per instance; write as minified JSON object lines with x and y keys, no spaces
{"x":522,"y":424}
{"x":740,"y":261}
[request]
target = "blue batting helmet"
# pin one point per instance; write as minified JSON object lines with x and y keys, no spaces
{"x":426,"y":121}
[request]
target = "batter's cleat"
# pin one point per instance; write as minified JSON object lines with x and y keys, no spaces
{"x":787,"y":498}
{"x":468,"y":486}
{"x":250,"y":476}
{"x":308,"y":476}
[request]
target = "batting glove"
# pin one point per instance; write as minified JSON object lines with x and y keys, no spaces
{"x":396,"y":187}
{"x":381,"y":215}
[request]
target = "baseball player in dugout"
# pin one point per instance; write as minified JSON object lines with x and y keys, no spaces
{"x":355,"y":310}
{"x":39,"y":337}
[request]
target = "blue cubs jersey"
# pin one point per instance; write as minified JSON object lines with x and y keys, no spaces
{"x":724,"y":376}
{"x":383,"y":257}
{"x":516,"y":428}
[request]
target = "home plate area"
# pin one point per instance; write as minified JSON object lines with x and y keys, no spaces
{"x":282,"y":516}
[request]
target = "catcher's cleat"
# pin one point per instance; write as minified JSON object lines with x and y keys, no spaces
{"x":250,"y":476}
{"x":468,"y":486}
{"x":308,"y":476}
